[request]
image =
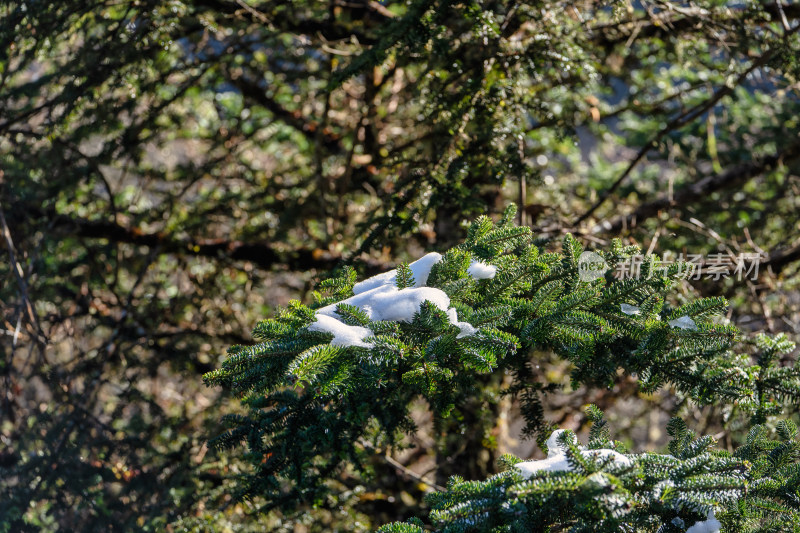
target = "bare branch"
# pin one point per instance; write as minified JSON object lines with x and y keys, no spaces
{"x":261,"y":254}
{"x":677,"y":123}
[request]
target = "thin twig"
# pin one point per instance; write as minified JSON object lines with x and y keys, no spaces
{"x":679,"y":122}
{"x":412,"y":474}
{"x":701,"y":189}
{"x":23,"y":286}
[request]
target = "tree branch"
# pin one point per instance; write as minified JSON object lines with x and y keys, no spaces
{"x":678,"y":122}
{"x":295,"y":119}
{"x":311,"y":28}
{"x":700,"y":190}
{"x":261,"y":254}
{"x":671,"y":23}
{"x":733,"y":177}
{"x":779,"y":260}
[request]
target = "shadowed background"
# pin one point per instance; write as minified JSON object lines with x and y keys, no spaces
{"x":171,"y":172}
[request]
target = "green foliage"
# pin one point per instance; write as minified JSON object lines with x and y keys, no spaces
{"x":755,"y":391}
{"x":174,"y":170}
{"x":338,"y":286}
{"x":313,"y":405}
{"x":771,"y":503}
{"x":755,"y":489}
{"x":405,"y":278}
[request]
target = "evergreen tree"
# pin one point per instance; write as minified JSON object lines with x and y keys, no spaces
{"x":696,"y":488}
{"x":330,"y":385}
{"x":172,"y":170}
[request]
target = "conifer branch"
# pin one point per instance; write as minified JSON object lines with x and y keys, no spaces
{"x":335,"y":375}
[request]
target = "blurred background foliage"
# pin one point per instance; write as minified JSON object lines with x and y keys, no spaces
{"x":172,"y":171}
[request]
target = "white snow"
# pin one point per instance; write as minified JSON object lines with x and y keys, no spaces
{"x":711,"y":525}
{"x":683,"y":322}
{"x":557,"y":461}
{"x":467,"y":330}
{"x":452,"y":314}
{"x":481,"y":270}
{"x":387,"y":302}
{"x":420,"y":269}
{"x":343,"y":334}
{"x":629,"y":309}
{"x":380,"y":299}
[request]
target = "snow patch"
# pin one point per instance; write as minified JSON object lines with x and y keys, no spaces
{"x":629,"y":309}
{"x":343,"y":334}
{"x":420,"y":269}
{"x":711,"y":525}
{"x":380,"y":299}
{"x":557,"y":461}
{"x":390,"y":303}
{"x":467,"y":330}
{"x":452,"y":315}
{"x":481,"y":270}
{"x":683,"y":322}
